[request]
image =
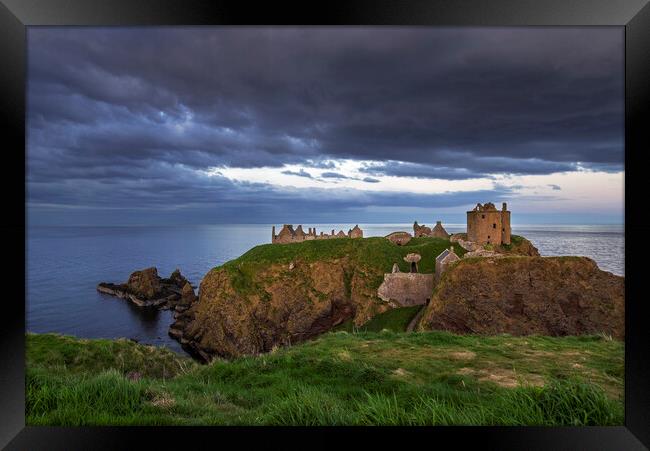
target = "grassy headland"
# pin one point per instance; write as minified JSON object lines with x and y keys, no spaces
{"x":374,"y":255}
{"x":429,"y":378}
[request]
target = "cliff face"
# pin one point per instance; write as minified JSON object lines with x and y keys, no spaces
{"x":527,"y":295}
{"x":281,"y":294}
{"x":277,"y":295}
{"x":288,"y":303}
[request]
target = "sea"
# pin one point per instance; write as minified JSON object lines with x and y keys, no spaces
{"x":65,"y":264}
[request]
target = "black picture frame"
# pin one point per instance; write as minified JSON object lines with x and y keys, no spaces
{"x":16,"y":15}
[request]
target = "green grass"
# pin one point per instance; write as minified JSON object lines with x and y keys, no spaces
{"x":429,"y":378}
{"x":77,"y":355}
{"x":375,"y":255}
{"x":394,"y":320}
{"x":515,"y":242}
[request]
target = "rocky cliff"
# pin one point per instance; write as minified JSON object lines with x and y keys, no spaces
{"x":288,"y":304}
{"x":518,"y":246}
{"x":277,"y":295}
{"x":527,"y":295}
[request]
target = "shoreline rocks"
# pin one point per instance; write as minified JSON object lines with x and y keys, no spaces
{"x":145,"y":288}
{"x":182,"y":316}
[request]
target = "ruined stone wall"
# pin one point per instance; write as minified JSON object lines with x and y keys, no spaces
{"x":355,"y":232}
{"x":505,"y":227}
{"x":399,"y":238}
{"x":438,"y":231}
{"x":406,"y":289}
{"x":421,"y":230}
{"x":289,"y":235}
{"x":286,"y":235}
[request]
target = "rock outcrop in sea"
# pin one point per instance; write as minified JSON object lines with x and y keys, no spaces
{"x":145,"y":288}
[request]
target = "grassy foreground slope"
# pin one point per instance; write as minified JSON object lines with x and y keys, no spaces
{"x":427,"y":378}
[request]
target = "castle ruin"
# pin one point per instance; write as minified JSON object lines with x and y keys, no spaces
{"x":422,"y":230}
{"x":289,"y":235}
{"x":355,"y":232}
{"x":406,"y":288}
{"x":487,"y":225}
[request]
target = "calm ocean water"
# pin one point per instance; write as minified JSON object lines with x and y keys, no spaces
{"x":64,"y":265}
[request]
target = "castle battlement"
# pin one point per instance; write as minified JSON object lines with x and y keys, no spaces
{"x":289,"y":235}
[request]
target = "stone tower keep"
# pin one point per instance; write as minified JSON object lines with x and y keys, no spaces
{"x":487,"y":225}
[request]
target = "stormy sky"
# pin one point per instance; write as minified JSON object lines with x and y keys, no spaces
{"x":366,"y":124}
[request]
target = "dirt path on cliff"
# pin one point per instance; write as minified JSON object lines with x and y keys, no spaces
{"x":416,"y":319}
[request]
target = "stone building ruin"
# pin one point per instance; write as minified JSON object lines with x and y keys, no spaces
{"x":355,"y":232}
{"x":438,"y":231}
{"x":413,"y":259}
{"x":487,"y":225}
{"x":420,"y":230}
{"x":406,"y":288}
{"x":289,"y":235}
{"x":443,"y":260}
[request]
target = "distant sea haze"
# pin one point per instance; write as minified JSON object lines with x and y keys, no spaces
{"x":64,"y":265}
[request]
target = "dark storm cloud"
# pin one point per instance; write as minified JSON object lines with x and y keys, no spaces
{"x":604,"y":167}
{"x":399,"y":169}
{"x":320,"y":164}
{"x":301,"y":173}
{"x":219,"y":199}
{"x":485,"y":166}
{"x":334,"y":175}
{"x":127,"y":107}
